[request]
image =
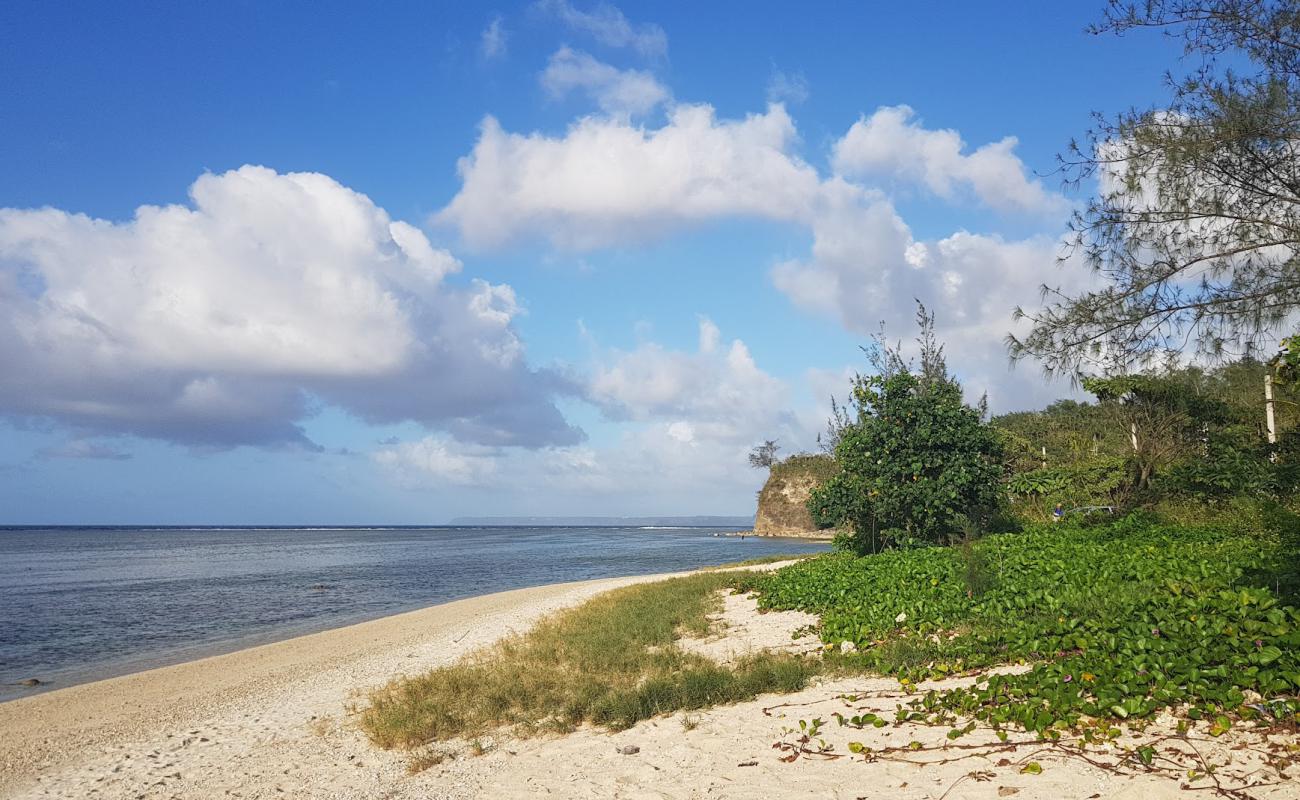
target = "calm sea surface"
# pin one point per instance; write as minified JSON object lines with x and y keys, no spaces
{"x":79,"y":604}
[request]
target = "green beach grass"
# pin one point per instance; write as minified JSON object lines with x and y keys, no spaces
{"x":612,"y":661}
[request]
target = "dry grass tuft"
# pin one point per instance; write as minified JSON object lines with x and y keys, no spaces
{"x":611,"y":661}
{"x":425,"y":759}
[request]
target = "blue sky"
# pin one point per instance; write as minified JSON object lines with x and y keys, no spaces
{"x":326,"y":263}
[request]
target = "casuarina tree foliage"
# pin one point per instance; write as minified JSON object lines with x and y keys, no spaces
{"x":1195,"y":227}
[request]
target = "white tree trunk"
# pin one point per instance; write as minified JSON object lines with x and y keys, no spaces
{"x":1269,"y":419}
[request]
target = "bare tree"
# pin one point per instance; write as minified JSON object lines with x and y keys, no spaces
{"x":836,"y":424}
{"x":764,"y":455}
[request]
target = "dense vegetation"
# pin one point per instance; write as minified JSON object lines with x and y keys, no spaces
{"x":1188,"y":433}
{"x":1121,"y":611}
{"x":1120,"y":620}
{"x":914,"y":464}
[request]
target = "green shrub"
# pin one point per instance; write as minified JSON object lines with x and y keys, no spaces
{"x":1099,"y":481}
{"x":1228,"y":470}
{"x":917,"y":467}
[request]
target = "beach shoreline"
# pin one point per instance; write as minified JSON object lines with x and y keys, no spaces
{"x":47,"y":734}
{"x":87,"y":605}
{"x":279,"y":720}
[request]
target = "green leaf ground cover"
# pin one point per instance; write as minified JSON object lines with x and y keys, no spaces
{"x":1119,"y":621}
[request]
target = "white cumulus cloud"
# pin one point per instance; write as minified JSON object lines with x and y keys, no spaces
{"x":891,"y":143}
{"x":866,"y":268}
{"x":685,"y":422}
{"x":609,"y":182}
{"x":717,"y":393}
{"x":606,"y":182}
{"x":227,"y":320}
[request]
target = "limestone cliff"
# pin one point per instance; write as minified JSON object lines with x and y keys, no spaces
{"x":783,"y":501}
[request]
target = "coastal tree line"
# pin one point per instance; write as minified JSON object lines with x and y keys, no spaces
{"x":1195,"y":231}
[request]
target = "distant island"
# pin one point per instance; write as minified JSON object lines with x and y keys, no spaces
{"x":612,"y":522}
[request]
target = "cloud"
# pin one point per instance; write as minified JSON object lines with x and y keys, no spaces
{"x":825,"y":385}
{"x":608,"y":182}
{"x":231,"y":320}
{"x":858,"y":241}
{"x":670,"y":465}
{"x":685,"y":420}
{"x":866,"y":267}
{"x":785,"y":87}
{"x":492,"y":42}
{"x":717,"y":392}
{"x":607,"y":24}
{"x":891,"y":143}
{"x":437,"y":461}
{"x":651,"y":467}
{"x":84,"y":449}
{"x":617,"y":92}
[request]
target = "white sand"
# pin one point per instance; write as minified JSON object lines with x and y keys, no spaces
{"x":740,"y":631}
{"x":273,"y":722}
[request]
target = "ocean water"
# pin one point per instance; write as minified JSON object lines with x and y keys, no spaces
{"x":79,"y":604}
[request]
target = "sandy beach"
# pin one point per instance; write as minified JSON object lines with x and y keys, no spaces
{"x":276,"y":721}
{"x":269,"y":721}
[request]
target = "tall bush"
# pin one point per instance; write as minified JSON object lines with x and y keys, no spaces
{"x":918,"y":465}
